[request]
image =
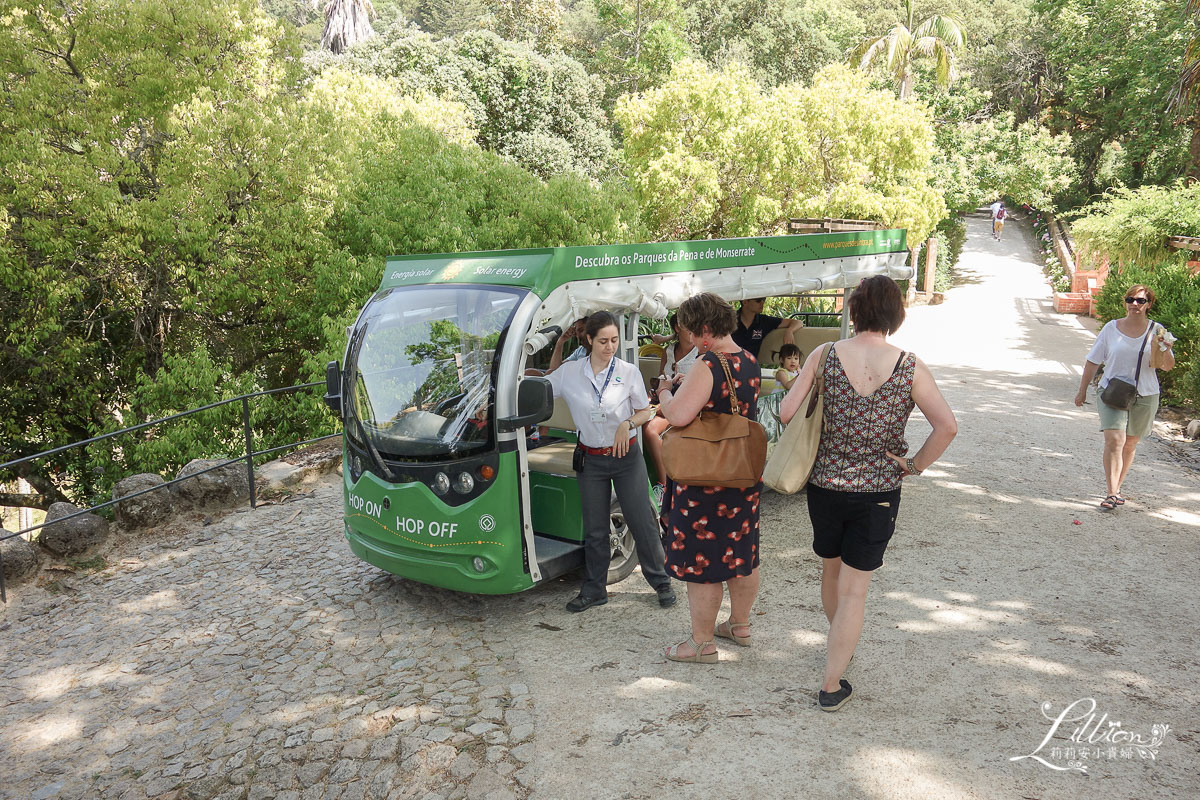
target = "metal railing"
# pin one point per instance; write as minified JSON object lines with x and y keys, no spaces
{"x":248,"y":458}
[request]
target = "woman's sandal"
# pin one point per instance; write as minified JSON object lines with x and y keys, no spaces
{"x":1110,"y":502}
{"x":699,"y":657}
{"x":725,"y":631}
{"x":1119,"y":500}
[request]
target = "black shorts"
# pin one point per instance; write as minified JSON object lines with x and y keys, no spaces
{"x":853,"y":526}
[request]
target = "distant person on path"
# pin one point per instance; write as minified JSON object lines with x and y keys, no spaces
{"x":854,"y":491}
{"x":1123,"y":348}
{"x":753,"y":325}
{"x":711,"y":532}
{"x":999,"y":214}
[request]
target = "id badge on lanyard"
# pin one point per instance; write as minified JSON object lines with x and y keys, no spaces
{"x":598,"y":415}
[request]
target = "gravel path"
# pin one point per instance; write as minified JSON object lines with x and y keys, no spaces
{"x":255,"y":657}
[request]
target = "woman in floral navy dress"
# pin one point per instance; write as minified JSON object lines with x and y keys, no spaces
{"x":711,"y":532}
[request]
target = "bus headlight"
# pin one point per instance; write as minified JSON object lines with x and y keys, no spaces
{"x":479,"y":564}
{"x":441,"y":483}
{"x":464,"y":483}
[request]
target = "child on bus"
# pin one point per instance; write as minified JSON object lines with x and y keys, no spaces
{"x":768,"y":405}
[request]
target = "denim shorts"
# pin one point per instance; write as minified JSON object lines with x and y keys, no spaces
{"x":1137,"y":421}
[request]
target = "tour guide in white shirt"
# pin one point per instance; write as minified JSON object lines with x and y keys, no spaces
{"x":608,"y":402}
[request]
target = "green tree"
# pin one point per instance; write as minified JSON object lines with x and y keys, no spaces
{"x":528,"y":20}
{"x":542,"y":110}
{"x":1115,"y":63}
{"x":935,"y":37}
{"x":711,"y":154}
{"x":774,"y":38}
{"x":143,"y":219}
{"x":452,"y":17}
{"x":638,"y":42}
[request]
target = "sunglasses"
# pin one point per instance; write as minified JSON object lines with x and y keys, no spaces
{"x":1141,"y":301}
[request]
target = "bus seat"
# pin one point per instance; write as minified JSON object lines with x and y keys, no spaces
{"x":555,"y":459}
{"x":649,"y":368}
{"x":809,"y":339}
{"x":561,"y":418}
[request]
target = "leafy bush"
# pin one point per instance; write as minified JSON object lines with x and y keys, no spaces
{"x":1176,"y":307}
{"x":1132,"y":225}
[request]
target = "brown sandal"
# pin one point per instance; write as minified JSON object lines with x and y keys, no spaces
{"x":699,"y":658}
{"x":725,"y":631}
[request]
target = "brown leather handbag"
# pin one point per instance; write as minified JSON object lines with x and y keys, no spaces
{"x":717,"y":449}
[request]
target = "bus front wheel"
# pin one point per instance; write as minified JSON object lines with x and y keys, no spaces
{"x":620,"y":540}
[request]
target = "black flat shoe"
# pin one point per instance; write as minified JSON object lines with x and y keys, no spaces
{"x":832,"y":701}
{"x":666,"y":596}
{"x":582,"y":603}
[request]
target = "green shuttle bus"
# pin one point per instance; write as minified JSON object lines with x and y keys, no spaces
{"x":443,"y":483}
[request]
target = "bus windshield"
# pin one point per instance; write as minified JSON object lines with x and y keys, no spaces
{"x":420,"y":370}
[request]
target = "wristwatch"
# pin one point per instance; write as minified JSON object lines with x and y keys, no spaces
{"x":912,"y":468}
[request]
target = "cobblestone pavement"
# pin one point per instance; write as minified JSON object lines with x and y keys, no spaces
{"x":256,"y":658}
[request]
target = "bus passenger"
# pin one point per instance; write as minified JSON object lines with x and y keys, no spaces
{"x":676,"y":360}
{"x":608,"y":401}
{"x":753,"y":325}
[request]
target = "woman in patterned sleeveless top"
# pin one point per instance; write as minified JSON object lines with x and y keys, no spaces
{"x":854,"y":492}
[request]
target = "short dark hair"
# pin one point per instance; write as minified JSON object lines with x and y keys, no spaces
{"x":786,"y":351}
{"x":707,"y":310}
{"x":1141,"y":287}
{"x":596,"y":323}
{"x":877,"y":305}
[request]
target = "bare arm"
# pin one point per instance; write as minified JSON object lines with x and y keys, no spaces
{"x":1089,"y":372}
{"x":556,"y":357}
{"x":784,"y":378}
{"x":626,"y":427}
{"x":682,"y":407}
{"x":799,"y":389}
{"x":937,"y":411}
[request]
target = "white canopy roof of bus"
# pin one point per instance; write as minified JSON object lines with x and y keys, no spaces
{"x":655,"y":295}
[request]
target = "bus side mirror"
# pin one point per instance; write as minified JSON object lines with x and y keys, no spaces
{"x":333,"y":387}
{"x":535,"y":403}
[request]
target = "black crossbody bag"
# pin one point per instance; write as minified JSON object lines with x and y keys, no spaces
{"x":1120,"y":393}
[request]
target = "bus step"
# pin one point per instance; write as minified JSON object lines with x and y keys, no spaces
{"x":556,"y":557}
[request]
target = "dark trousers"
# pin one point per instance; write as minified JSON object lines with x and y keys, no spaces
{"x":602,"y":474}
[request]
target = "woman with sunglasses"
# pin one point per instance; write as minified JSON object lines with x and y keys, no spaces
{"x":1124,"y":347}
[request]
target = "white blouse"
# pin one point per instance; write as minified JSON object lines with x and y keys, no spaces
{"x":1119,"y":355}
{"x":599,"y":402}
{"x":673,"y":367}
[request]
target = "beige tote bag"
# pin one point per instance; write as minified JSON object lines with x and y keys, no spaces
{"x":795,"y":453}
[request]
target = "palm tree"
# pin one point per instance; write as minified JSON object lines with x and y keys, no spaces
{"x":347,"y":22}
{"x":1186,"y":97}
{"x":934,"y":38}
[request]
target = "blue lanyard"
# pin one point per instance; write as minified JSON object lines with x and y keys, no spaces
{"x":607,"y":378}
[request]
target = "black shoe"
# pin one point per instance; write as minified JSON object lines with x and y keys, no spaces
{"x":832,"y":701}
{"x":582,"y":603}
{"x":666,"y":596}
